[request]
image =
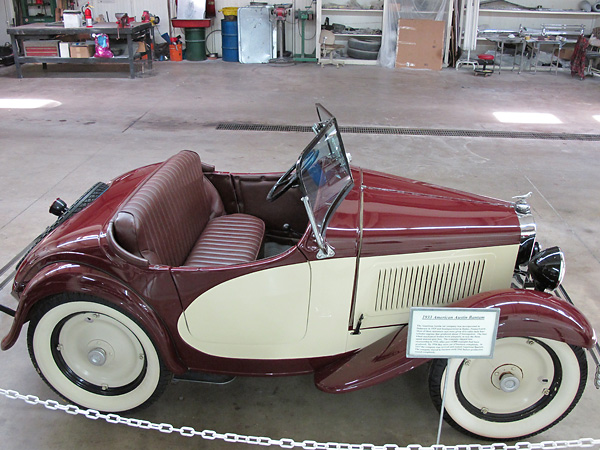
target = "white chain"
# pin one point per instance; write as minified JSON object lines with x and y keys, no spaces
{"x":284,"y":442}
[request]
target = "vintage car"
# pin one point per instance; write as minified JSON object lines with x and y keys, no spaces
{"x":179,"y":270}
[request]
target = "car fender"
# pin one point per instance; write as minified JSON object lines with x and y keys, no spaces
{"x":522,"y":313}
{"x":62,"y":277}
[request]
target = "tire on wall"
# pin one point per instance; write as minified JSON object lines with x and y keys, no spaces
{"x":94,"y":355}
{"x":370,"y":45}
{"x":529,"y":386}
{"x":362,"y":54}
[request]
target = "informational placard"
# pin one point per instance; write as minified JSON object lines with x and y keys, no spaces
{"x":452,"y":332}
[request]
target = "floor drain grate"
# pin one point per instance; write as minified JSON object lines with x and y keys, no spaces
{"x":414,"y":132}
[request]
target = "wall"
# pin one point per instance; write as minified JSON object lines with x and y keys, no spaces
{"x":6,"y":18}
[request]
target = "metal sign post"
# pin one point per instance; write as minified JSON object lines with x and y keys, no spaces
{"x":451,"y":333}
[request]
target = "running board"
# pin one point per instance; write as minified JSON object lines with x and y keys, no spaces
{"x":202,"y":377}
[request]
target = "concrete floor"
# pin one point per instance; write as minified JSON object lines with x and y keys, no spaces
{"x":108,"y":124}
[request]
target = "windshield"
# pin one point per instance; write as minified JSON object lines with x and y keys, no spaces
{"x":324,"y":173}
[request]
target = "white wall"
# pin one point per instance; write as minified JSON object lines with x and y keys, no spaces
{"x":6,"y":18}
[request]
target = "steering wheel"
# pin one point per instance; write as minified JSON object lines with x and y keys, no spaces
{"x":287,"y":180}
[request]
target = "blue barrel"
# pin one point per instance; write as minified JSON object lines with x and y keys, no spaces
{"x":229,"y":38}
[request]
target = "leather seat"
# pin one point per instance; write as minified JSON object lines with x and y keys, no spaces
{"x":177,"y":218}
{"x":226,"y":240}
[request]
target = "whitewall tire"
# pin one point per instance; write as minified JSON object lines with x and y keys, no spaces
{"x":529,"y":386}
{"x":94,"y":355}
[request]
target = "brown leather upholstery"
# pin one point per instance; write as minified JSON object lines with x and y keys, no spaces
{"x":164,"y":221}
{"x":231,"y":239}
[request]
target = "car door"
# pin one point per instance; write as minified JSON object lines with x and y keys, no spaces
{"x":257,"y":310}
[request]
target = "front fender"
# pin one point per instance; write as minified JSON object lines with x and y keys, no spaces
{"x":522,"y":313}
{"x":63,"y":277}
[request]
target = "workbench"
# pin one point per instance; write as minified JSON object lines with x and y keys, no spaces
{"x":137,"y":31}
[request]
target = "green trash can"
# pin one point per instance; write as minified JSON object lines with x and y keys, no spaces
{"x":195,"y":44}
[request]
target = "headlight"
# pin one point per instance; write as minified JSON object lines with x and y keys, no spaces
{"x":547,"y":268}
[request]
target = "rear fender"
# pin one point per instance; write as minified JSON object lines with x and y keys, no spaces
{"x":522,"y":313}
{"x":61,"y":278}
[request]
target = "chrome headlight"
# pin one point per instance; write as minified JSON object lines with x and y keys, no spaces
{"x":547,"y":269}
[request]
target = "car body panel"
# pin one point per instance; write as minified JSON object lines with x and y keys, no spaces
{"x":324,"y":322}
{"x":388,"y":286}
{"x":59,"y":278}
{"x":405,"y":216}
{"x":522,"y":313}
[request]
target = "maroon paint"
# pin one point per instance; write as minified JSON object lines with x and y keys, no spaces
{"x":394,"y":215}
{"x":60,"y":278}
{"x":405,"y":216}
{"x":522,"y":313}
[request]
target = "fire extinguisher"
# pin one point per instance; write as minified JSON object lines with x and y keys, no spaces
{"x":87,"y":12}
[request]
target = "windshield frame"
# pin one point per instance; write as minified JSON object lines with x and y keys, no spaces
{"x":328,"y":138}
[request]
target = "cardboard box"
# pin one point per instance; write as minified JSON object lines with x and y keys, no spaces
{"x":420,"y":44}
{"x":81,"y":50}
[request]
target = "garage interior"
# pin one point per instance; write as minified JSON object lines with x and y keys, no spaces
{"x":64,"y":128}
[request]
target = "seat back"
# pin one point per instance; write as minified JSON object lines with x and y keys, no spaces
{"x":163,"y":219}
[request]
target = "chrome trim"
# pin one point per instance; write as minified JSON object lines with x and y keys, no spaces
{"x":527,"y":224}
{"x":521,"y":205}
{"x":325,"y":250}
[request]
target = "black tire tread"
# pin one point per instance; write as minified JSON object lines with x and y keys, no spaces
{"x":370,"y":45}
{"x":362,"y":54}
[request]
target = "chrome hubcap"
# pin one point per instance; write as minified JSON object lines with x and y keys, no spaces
{"x":509,"y":383}
{"x":97,"y":356}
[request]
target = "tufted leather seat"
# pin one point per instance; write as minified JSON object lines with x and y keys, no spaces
{"x":176,"y":218}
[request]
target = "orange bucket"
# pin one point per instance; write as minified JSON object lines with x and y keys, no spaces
{"x":175,"y":52}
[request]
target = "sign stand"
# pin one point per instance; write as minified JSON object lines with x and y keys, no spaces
{"x":439,"y":433}
{"x":437,"y":333}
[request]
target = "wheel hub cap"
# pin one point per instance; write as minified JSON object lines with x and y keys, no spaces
{"x":509,"y":383}
{"x":507,"y":377}
{"x":97,"y":356}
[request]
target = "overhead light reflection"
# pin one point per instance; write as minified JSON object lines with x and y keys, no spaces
{"x":27,"y":103}
{"x":597,"y":117}
{"x":531,"y":118}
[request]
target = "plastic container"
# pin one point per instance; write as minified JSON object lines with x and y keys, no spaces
{"x":230,"y":13}
{"x":72,"y":18}
{"x":175,"y":52}
{"x":229,"y":39}
{"x":195,"y":44}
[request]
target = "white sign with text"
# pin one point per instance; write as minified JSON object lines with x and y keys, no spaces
{"x":452,"y":332}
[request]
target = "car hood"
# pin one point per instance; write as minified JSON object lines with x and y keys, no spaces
{"x":400,"y":216}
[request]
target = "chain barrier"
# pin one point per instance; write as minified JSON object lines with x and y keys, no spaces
{"x":284,"y":442}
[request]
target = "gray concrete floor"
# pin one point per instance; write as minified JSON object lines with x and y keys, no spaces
{"x":107,"y":124}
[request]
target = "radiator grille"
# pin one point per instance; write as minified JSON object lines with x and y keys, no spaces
{"x":400,"y":288}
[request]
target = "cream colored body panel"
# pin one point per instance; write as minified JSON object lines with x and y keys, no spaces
{"x":303,"y":310}
{"x":388,"y":286}
{"x":230,"y":321}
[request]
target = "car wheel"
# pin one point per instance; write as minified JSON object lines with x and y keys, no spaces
{"x":362,"y":54}
{"x":529,"y":386}
{"x":94,"y":355}
{"x":371,"y":45}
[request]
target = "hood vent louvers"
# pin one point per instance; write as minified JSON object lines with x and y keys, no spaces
{"x":400,"y":288}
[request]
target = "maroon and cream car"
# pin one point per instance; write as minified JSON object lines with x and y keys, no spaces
{"x":179,"y":270}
